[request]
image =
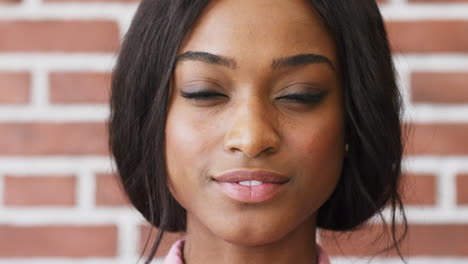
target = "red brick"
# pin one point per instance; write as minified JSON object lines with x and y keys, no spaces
{"x":39,"y":191}
{"x":419,"y":189}
{"x":428,"y":36}
{"x":53,"y":139}
{"x":59,"y":36}
{"x":58,"y":241}
{"x":109,"y":191}
{"x":437,"y":139}
{"x":438,"y":240}
{"x":164,"y":246}
{"x":66,"y":88}
{"x":439,"y":87}
{"x":462,"y":189}
{"x":14,"y":87}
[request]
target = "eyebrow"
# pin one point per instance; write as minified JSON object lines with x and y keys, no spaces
{"x":278,"y":63}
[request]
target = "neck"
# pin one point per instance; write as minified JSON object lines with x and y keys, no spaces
{"x":202,"y":246}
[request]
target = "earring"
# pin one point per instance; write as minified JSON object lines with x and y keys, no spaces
{"x":347,"y":147}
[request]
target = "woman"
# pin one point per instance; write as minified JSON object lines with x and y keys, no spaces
{"x":250,"y":124}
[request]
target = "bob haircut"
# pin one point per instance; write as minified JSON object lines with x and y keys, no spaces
{"x":140,"y":88}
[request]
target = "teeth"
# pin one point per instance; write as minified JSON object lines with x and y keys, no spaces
{"x":250,"y":183}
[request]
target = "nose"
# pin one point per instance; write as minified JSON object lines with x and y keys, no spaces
{"x":252,"y":130}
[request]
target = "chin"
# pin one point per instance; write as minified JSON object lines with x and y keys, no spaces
{"x":250,"y":236}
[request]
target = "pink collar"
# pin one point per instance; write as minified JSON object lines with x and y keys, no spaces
{"x":175,"y":254}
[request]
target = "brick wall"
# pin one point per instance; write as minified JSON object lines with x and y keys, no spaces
{"x":60,"y":204}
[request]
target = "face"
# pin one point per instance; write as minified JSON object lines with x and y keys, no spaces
{"x":273,"y":101}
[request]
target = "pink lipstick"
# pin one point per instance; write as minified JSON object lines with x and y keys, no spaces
{"x":251,"y":186}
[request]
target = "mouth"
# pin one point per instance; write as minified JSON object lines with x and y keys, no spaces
{"x":252,"y":177}
{"x":257,"y":193}
{"x":252,"y":187}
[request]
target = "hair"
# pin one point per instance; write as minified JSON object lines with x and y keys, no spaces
{"x":371,"y":171}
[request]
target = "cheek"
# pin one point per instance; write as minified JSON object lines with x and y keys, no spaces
{"x":321,"y":138}
{"x":184,"y":148}
{"x":320,"y":151}
{"x":323,"y":143}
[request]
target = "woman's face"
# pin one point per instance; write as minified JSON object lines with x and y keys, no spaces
{"x":267,"y":110}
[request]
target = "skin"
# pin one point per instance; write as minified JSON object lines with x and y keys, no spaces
{"x":251,"y":125}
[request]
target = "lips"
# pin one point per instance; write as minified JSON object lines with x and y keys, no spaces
{"x":252,"y":175}
{"x":251,"y":186}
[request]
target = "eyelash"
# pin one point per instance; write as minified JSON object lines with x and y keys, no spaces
{"x":304,"y":98}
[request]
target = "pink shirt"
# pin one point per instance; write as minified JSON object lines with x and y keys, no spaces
{"x":175,"y":254}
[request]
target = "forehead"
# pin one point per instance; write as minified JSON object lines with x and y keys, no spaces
{"x":254,"y":32}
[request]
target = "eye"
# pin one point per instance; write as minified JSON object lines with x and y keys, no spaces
{"x":202,"y":95}
{"x":305,"y":98}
